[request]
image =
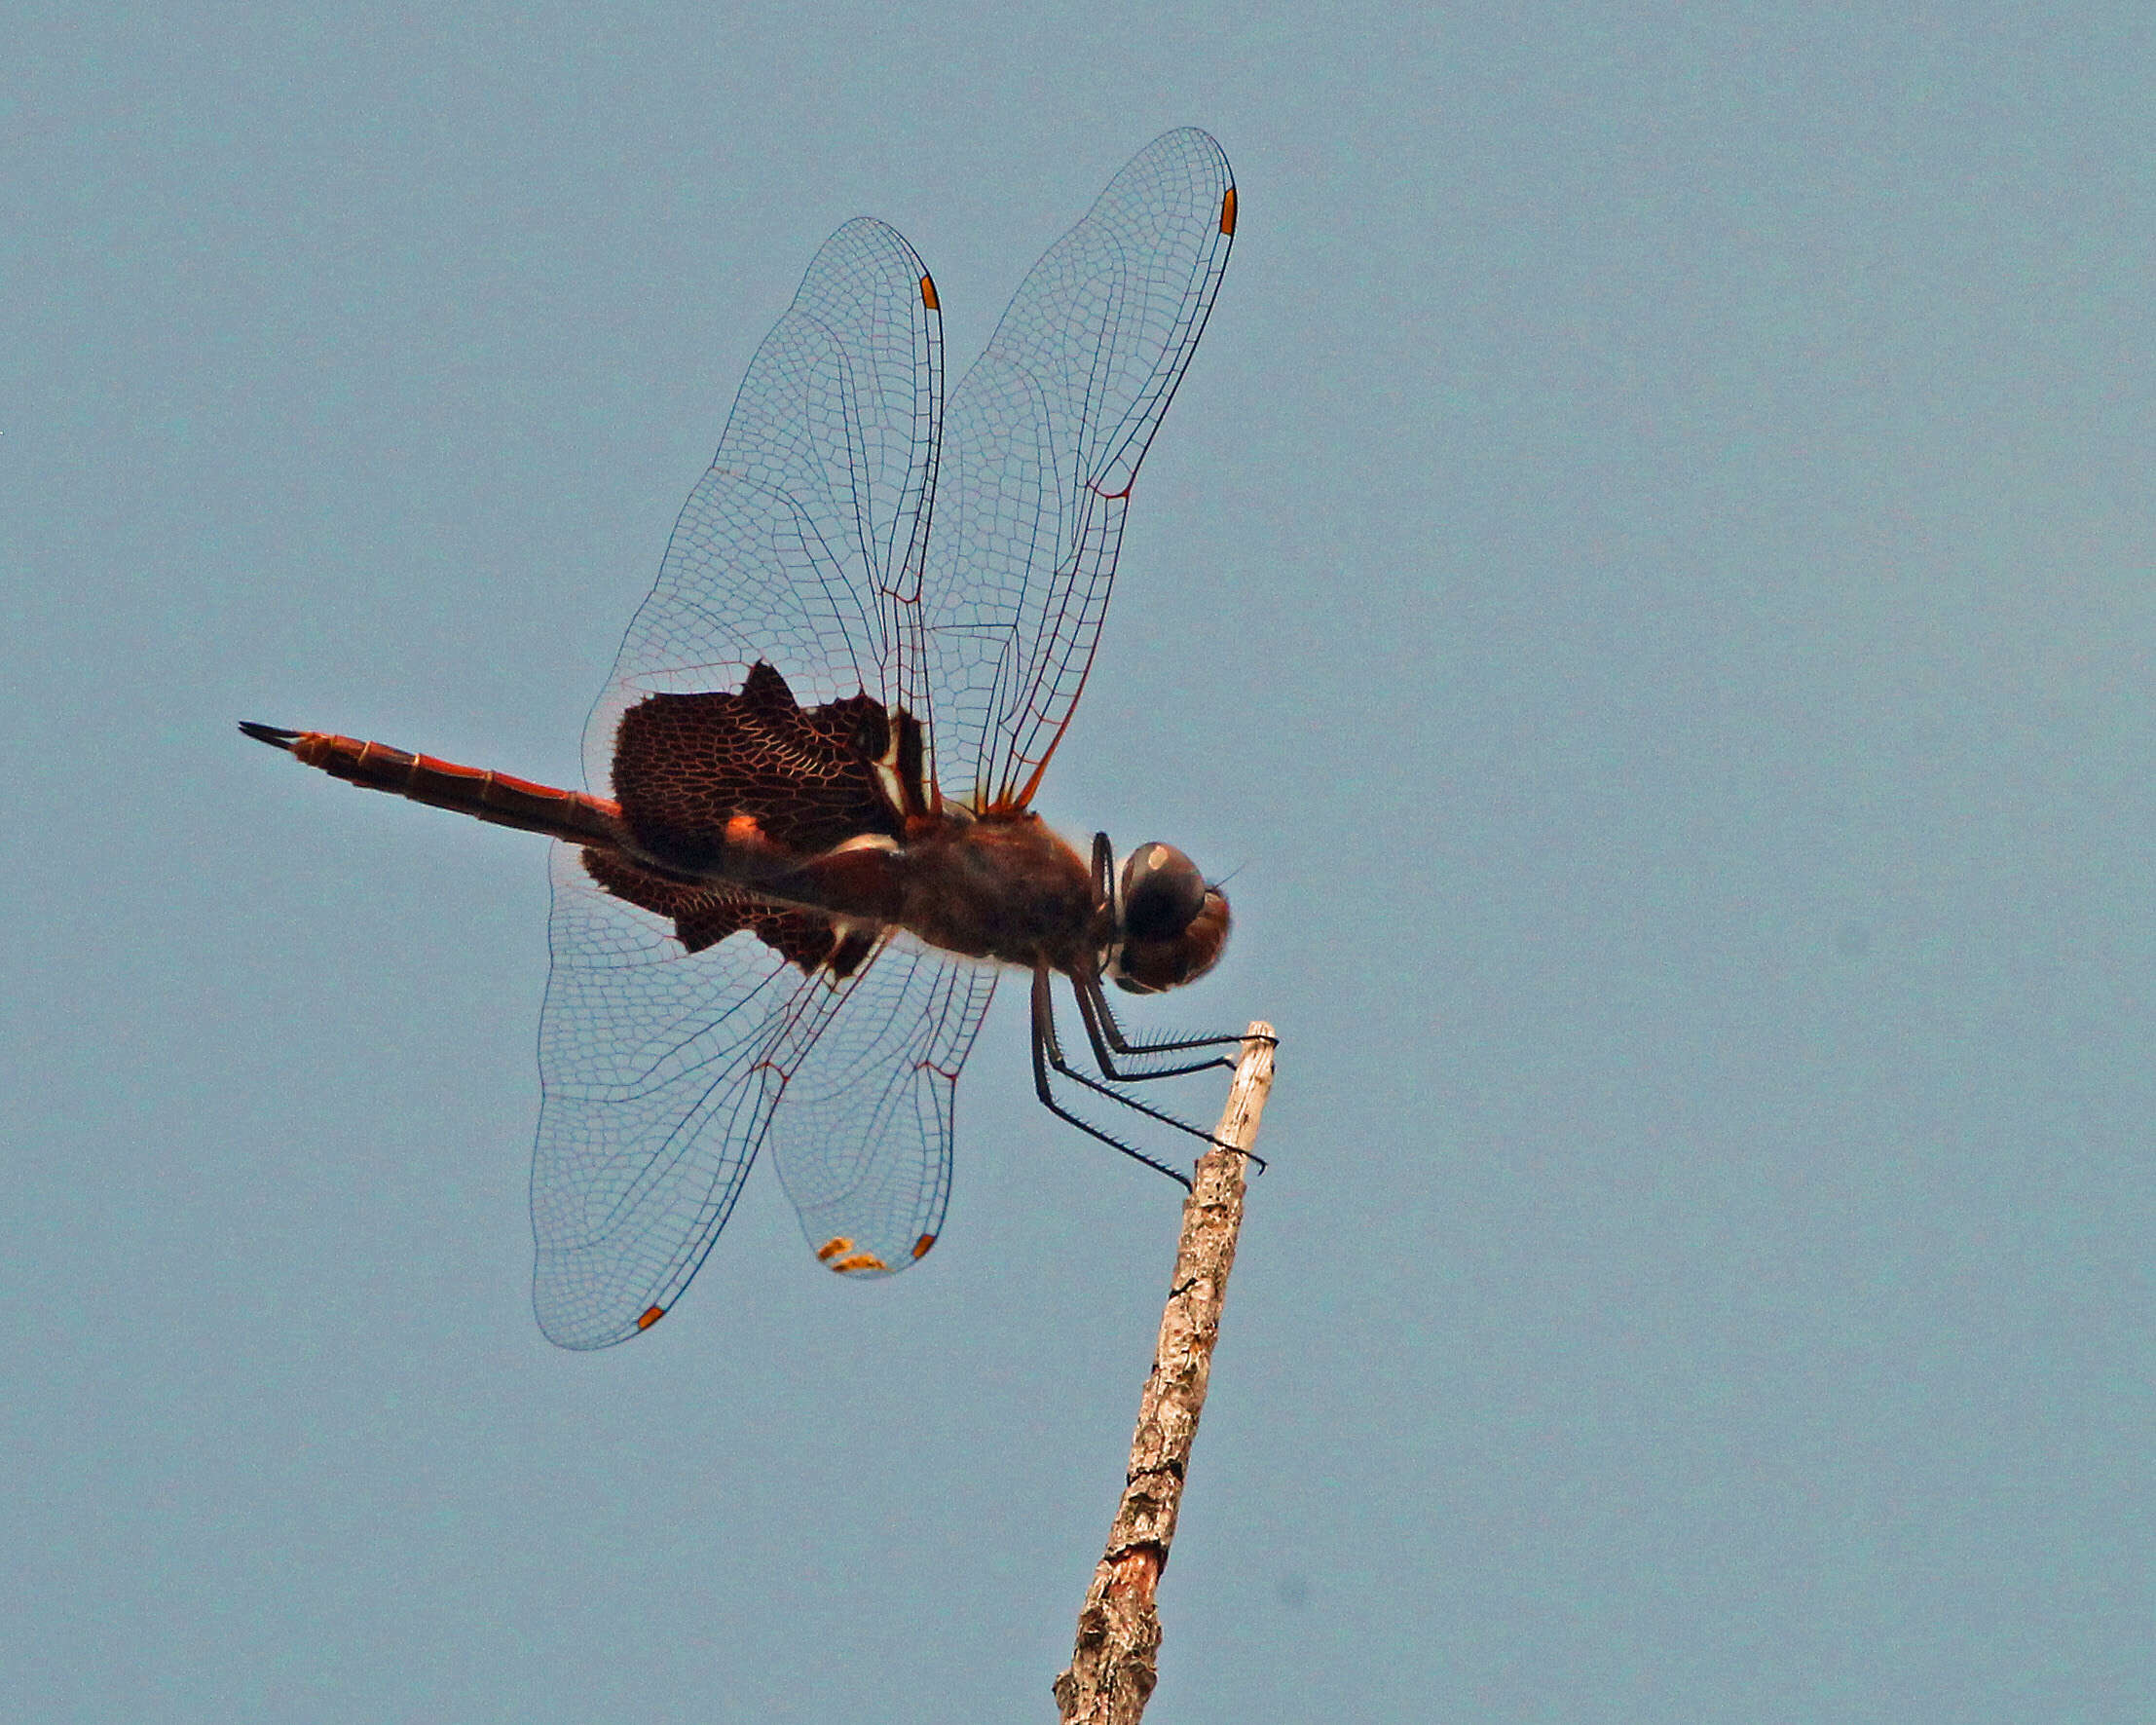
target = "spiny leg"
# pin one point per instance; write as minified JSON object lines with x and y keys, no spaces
{"x":1092,"y":1000}
{"x":1048,"y":1053}
{"x":1106,"y":1036}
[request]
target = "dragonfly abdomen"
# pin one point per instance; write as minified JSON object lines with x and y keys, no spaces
{"x":571,"y":816}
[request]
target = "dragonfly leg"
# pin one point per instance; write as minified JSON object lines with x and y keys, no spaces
{"x":1108,"y":1040}
{"x":1048,"y":1055}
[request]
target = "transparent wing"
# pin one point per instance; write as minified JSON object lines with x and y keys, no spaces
{"x":656,"y":1091}
{"x":862,"y":1144}
{"x":801,"y":546}
{"x":1044,"y":436}
{"x":664,"y":1074}
{"x":661,"y":1070}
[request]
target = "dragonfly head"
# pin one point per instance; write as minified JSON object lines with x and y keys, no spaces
{"x":1170,"y":925}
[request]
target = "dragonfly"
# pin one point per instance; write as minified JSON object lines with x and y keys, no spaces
{"x":823,"y":736}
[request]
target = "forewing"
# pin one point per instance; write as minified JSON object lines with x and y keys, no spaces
{"x":796,"y":545}
{"x":1044,"y":436}
{"x":663,"y":1074}
{"x":864,"y":1142}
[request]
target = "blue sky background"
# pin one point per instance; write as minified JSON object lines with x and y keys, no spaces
{"x":1648,"y":582}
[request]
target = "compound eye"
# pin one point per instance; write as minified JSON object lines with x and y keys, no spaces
{"x":1162,"y":891}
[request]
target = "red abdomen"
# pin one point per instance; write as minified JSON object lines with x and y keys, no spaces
{"x":496,"y":797}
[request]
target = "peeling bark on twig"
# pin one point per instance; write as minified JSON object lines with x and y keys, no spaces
{"x":1114,"y":1665}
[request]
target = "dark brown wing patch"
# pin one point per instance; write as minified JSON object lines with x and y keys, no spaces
{"x":687,"y":764}
{"x":705,"y":915}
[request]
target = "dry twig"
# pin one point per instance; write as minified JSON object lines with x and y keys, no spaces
{"x":1116,"y":1661}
